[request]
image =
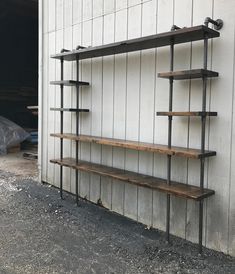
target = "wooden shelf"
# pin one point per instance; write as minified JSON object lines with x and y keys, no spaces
{"x":163,"y":149}
{"x":176,"y":189}
{"x":188,"y":74}
{"x":183,"y":35}
{"x":186,"y":113}
{"x":69,"y":83}
{"x":70,"y":109}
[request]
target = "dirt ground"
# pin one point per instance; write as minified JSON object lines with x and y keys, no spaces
{"x":39,"y":233}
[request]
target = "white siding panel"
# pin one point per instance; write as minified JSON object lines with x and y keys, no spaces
{"x":107,"y":108}
{"x":119,"y":119}
{"x":85,"y":122}
{"x":132,"y":111}
{"x":59,"y":14}
{"x":45,"y":107}
{"x":147,"y":112}
{"x":59,"y":45}
{"x":164,"y":23}
{"x":51,"y":114}
{"x":121,"y":4}
{"x":218,"y":173}
{"x":109,"y":6}
{"x":45,"y":11}
{"x":98,"y":7}
{"x":77,"y":11}
{"x":68,"y":42}
{"x":201,"y":9}
{"x":68,"y":13}
{"x":181,"y":95}
{"x":96,"y":108}
{"x":51,"y":10}
{"x":87,"y":10}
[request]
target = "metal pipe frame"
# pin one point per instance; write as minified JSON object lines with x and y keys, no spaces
{"x":169,"y":143}
{"x":203,"y":133}
{"x":61,"y":125}
{"x":77,"y":128}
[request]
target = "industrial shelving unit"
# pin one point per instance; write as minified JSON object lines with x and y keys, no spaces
{"x":175,"y":36}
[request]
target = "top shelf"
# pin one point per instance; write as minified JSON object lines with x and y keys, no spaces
{"x":183,"y":35}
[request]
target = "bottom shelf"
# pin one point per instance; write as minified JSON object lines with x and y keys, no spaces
{"x":176,"y":189}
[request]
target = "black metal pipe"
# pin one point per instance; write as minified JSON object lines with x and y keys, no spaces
{"x":64,"y":50}
{"x":203,"y":133}
{"x":169,"y":143}
{"x":217,"y":23}
{"x":61,"y":126}
{"x":77,"y":128}
{"x":174,"y":27}
{"x":80,"y":47}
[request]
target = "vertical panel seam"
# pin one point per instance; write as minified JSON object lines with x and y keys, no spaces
{"x":47,"y":112}
{"x":91,"y":99}
{"x":154,"y":107}
{"x":102,"y":98}
{"x":231,"y":149}
{"x":114,"y":63}
{"x":208,"y":141}
{"x":127,"y":25}
{"x":140,"y":75}
{"x":71,"y":99}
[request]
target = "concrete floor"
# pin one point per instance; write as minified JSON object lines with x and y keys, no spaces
{"x":16,"y":164}
{"x":39,"y":233}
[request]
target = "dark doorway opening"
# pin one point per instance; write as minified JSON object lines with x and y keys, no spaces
{"x":19,"y":60}
{"x":19,"y":63}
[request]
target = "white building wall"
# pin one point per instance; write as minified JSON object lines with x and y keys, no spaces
{"x":123,"y":98}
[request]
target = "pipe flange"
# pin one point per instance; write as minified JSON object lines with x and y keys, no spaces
{"x":219,"y":24}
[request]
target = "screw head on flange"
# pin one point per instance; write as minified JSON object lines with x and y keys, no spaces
{"x":219,"y":25}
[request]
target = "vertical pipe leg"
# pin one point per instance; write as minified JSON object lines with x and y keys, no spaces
{"x":77,"y":129}
{"x":168,"y":200}
{"x":61,"y":128}
{"x":61,"y":182}
{"x":77,"y":187}
{"x":200,"y":227}
{"x":203,"y":133}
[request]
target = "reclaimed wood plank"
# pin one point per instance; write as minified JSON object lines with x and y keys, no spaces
{"x":186,"y":113}
{"x":183,"y":35}
{"x":188,"y":74}
{"x":176,"y":189}
{"x":70,"y":109}
{"x":141,"y":146}
{"x":69,"y":83}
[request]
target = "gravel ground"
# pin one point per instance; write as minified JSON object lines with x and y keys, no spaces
{"x":39,"y":233}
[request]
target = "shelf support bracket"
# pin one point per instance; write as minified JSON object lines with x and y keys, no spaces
{"x":64,"y":50}
{"x":80,"y":47}
{"x":218,"y":24}
{"x":174,"y":27}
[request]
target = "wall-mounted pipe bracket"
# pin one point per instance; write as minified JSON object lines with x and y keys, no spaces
{"x":174,"y":27}
{"x":80,"y":47}
{"x":64,"y":50}
{"x":218,"y":24}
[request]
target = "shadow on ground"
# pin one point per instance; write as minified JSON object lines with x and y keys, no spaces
{"x":39,"y":233}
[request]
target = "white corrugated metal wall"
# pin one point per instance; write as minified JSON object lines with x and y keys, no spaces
{"x":123,"y":98}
